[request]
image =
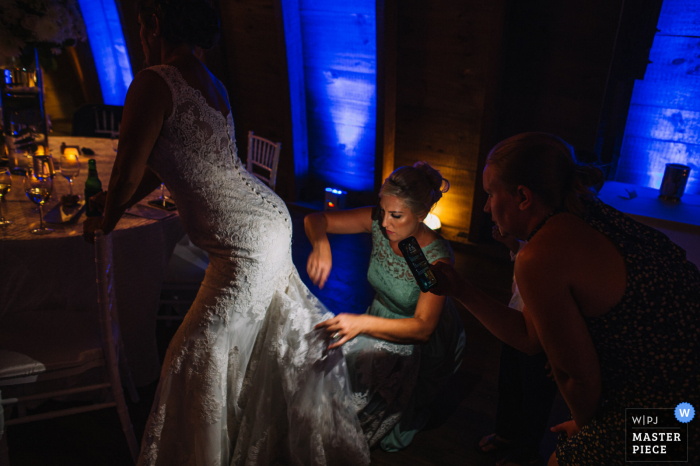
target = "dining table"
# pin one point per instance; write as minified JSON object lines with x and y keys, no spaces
{"x":56,"y":272}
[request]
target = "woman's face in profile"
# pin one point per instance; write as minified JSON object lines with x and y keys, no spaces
{"x":396,"y":218}
{"x":503,"y":205}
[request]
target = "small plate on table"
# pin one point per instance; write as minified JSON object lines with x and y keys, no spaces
{"x":64,"y":214}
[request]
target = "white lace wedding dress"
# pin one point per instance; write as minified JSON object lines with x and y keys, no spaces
{"x":246,"y":380}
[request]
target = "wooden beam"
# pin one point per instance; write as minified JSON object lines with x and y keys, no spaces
{"x":386,"y":11}
{"x":489,"y":119}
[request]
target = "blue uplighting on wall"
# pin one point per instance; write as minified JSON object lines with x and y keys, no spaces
{"x":339,"y":48}
{"x":108,"y":48}
{"x":663,"y":124}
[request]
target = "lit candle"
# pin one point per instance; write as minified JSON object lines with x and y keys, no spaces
{"x":71,"y":151}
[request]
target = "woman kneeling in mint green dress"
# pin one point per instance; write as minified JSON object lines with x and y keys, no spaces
{"x":408,"y":344}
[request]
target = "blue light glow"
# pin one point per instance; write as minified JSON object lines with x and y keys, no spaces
{"x":335,"y":191}
{"x":663,"y":124}
{"x":8,"y":77}
{"x":108,"y":48}
{"x":340,"y":72}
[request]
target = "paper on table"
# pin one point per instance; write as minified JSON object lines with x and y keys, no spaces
{"x":63,"y":214}
{"x":152,"y":213}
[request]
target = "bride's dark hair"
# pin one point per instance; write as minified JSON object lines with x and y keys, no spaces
{"x":547,"y":165}
{"x":192,"y":22}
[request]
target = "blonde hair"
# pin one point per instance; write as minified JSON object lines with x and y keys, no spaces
{"x":419,"y":187}
{"x":547,"y":165}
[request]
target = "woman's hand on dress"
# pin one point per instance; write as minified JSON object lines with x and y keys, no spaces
{"x":90,"y":226}
{"x":343,"y":328}
{"x":448,"y":280}
{"x":319,"y":264}
{"x":569,"y":427}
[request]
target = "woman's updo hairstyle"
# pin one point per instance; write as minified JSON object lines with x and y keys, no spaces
{"x":192,"y":22}
{"x":547,"y":165}
{"x":419,"y":187}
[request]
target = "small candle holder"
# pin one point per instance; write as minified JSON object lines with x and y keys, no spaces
{"x":674,"y":181}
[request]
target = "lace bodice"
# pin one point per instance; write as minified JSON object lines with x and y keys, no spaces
{"x":390,"y":276}
{"x":196,"y":157}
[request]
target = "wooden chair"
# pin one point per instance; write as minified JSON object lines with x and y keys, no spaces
{"x":97,"y":120}
{"x":43,"y":352}
{"x":265,"y":155}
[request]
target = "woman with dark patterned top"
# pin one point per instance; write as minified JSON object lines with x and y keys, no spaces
{"x":614,"y":304}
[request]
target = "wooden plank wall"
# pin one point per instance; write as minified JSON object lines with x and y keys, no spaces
{"x":663,"y":124}
{"x":555,"y":59}
{"x":339,"y":53}
{"x":254,"y":63}
{"x":442,"y":69}
{"x":556,"y":62}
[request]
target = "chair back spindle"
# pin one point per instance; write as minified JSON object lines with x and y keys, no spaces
{"x":264,"y":156}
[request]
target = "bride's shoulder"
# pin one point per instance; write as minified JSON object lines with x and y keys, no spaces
{"x":149,"y":88}
{"x":149,"y":79}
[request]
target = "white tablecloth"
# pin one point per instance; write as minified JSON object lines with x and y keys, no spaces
{"x":57,"y":271}
{"x":680,"y":221}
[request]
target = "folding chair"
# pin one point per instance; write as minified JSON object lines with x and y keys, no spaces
{"x":97,"y":120}
{"x":37,"y":347}
{"x":265,"y":155}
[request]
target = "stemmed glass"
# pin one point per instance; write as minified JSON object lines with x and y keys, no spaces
{"x":70,"y":167}
{"x":163,"y":198}
{"x":5,"y":185}
{"x":38,"y":187}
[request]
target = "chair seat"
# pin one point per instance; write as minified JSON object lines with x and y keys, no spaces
{"x":35,"y":342}
{"x":13,"y":364}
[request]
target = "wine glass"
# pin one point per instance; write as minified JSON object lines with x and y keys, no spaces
{"x":70,"y":167}
{"x":38,"y":187}
{"x":5,"y":185}
{"x":163,"y":198}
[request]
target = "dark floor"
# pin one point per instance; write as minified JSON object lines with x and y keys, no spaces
{"x":466,"y":410}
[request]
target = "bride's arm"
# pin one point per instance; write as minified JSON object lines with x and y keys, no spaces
{"x":147,"y":105}
{"x":318,"y":224}
{"x":149,"y":182}
{"x":411,"y":330}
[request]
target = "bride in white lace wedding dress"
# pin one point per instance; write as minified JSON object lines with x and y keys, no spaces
{"x":246,"y":379}
{"x":245,"y":369}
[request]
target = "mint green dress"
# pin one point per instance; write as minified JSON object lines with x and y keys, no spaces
{"x":394,"y":384}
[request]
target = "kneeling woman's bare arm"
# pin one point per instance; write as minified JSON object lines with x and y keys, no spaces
{"x":318,"y":224}
{"x":411,"y":330}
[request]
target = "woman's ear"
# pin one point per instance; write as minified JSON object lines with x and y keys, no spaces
{"x":525,"y":197}
{"x":156,"y":25}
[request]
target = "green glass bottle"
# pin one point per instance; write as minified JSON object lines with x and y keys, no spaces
{"x":93,"y":185}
